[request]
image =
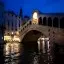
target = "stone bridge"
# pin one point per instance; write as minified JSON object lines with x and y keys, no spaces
{"x":31,"y":32}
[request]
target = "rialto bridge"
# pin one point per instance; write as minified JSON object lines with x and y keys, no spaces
{"x":49,"y":27}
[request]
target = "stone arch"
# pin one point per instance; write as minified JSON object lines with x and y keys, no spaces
{"x":40,"y":20}
{"x":44,"y":21}
{"x":31,"y":36}
{"x":62,"y":22}
{"x":55,"y":22}
{"x":49,"y":21}
{"x":38,"y":28}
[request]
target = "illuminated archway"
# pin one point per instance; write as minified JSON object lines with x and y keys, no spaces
{"x":35,"y":18}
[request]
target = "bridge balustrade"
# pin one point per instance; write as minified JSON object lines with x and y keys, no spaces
{"x":24,"y":26}
{"x":45,"y":22}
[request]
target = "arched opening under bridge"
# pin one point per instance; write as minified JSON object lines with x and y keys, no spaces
{"x":30,"y":40}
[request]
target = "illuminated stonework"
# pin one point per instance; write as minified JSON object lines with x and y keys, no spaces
{"x":35,"y":15}
{"x":12,"y":37}
{"x":35,"y":18}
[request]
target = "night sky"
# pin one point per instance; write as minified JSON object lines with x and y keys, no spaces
{"x":45,"y":6}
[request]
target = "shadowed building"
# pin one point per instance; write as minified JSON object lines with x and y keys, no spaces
{"x":1,"y":31}
{"x":1,"y":22}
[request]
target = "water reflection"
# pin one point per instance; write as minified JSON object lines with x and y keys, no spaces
{"x":12,"y":53}
{"x":11,"y":48}
{"x":17,"y":53}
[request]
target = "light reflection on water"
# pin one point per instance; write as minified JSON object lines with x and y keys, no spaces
{"x":12,"y":53}
{"x":17,"y":53}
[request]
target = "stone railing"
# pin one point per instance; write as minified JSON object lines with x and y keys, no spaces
{"x":29,"y":23}
{"x":25,"y":25}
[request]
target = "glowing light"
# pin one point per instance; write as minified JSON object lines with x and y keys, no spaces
{"x":44,"y":40}
{"x":43,"y":44}
{"x":7,"y":49}
{"x":38,"y":45}
{"x":11,"y":48}
{"x":7,"y":38}
{"x":12,"y":32}
{"x":17,"y":33}
{"x":2,"y":37}
{"x":16,"y":38}
{"x":35,"y":15}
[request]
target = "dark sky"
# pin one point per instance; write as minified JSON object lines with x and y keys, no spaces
{"x":45,"y":6}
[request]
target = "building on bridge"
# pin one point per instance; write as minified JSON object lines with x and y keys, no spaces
{"x":49,"y":19}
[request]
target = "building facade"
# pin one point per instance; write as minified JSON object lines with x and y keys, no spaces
{"x":48,"y":19}
{"x":12,"y":22}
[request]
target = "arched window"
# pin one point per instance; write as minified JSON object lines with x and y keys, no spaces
{"x":49,"y":21}
{"x":44,"y":21}
{"x":40,"y":20}
{"x":62,"y":22}
{"x":55,"y":22}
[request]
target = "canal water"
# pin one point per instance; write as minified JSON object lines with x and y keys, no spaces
{"x":28,"y":53}
{"x":18,"y":53}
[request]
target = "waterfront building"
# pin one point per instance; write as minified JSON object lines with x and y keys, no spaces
{"x":12,"y":22}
